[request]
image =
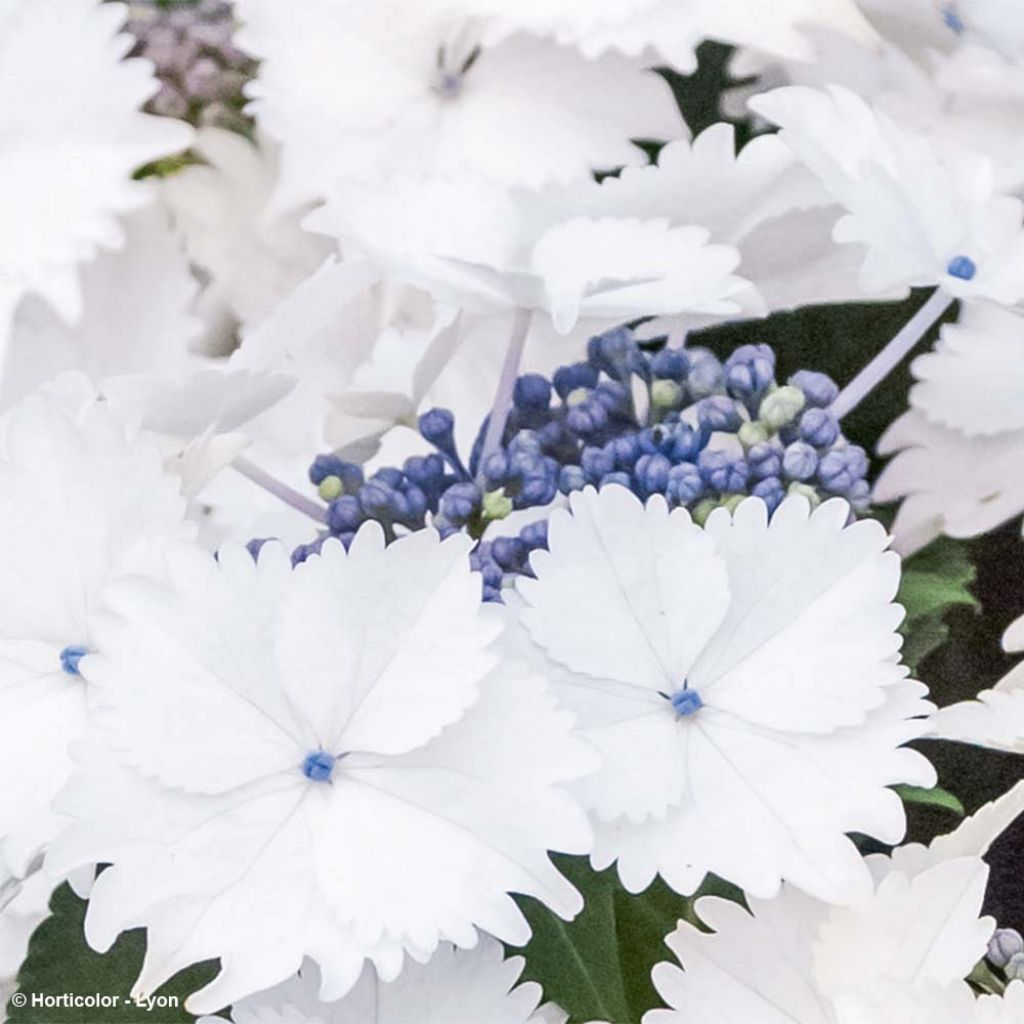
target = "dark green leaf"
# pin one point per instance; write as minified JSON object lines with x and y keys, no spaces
{"x":931,"y":798}
{"x":60,"y":962}
{"x":598,"y":967}
{"x":934,"y":580}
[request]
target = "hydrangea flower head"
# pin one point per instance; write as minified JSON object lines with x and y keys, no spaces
{"x":325,"y":762}
{"x":742,"y":682}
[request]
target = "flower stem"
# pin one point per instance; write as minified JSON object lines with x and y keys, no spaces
{"x":280,"y":490}
{"x":506,"y":384}
{"x":890,"y":357}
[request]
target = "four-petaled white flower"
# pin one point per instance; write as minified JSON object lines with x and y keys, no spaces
{"x":928,"y":217}
{"x":421,"y":89}
{"x":742,"y":682}
{"x":327,"y":763}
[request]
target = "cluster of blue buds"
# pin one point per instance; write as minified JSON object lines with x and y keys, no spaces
{"x":682,"y":424}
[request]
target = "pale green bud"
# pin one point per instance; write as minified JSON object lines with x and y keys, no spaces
{"x":781,"y":406}
{"x":330,"y":488}
{"x":496,"y":505}
{"x":751,"y":433}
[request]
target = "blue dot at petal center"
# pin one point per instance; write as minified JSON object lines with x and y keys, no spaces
{"x":71,"y":656}
{"x":962,"y":267}
{"x":686,"y":702}
{"x":318,"y":766}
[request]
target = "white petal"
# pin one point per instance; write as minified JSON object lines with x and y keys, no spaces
{"x":625,"y":592}
{"x":810,"y":638}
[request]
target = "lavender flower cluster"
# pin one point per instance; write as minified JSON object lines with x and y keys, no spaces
{"x":201,"y":71}
{"x":677,"y":423}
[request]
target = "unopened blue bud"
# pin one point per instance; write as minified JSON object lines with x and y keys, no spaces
{"x":345,"y":514}
{"x":671,"y":364}
{"x":765,"y":460}
{"x":571,"y":478}
{"x":770,"y":491}
{"x":535,"y":535}
{"x":722,"y":472}
{"x":707,"y":375}
{"x":687,"y":443}
{"x":626,"y":450}
{"x":619,"y":477}
{"x":532,"y":393}
{"x":819,"y":389}
{"x":685,"y":484}
{"x":657,"y":440}
{"x":587,"y":418}
{"x":750,"y":371}
{"x":841,"y":468}
{"x":719,"y":413}
{"x":651,"y":474}
{"x":800,"y":461}
{"x":1014,"y":969}
{"x":596,"y":463}
{"x":459,"y":503}
{"x":577,"y":377}
{"x":819,"y":428}
{"x":1004,"y":945}
{"x":350,"y":475}
{"x":509,"y":552}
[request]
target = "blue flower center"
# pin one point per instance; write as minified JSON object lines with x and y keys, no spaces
{"x":71,"y":656}
{"x":951,"y":16}
{"x":962,"y":267}
{"x":318,"y":766}
{"x":686,"y":702}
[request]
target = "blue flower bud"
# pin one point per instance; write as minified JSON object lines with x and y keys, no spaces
{"x":587,"y":419}
{"x":304,"y":551}
{"x":800,"y":461}
{"x":615,"y":352}
{"x":770,"y":491}
{"x":254,"y":547}
{"x":707,"y":375}
{"x":438,"y":427}
{"x":685,"y":484}
{"x":318,"y":766}
{"x":619,"y":477}
{"x":389,"y":476}
{"x":1004,"y":945}
{"x":345,"y":514}
{"x":671,"y":364}
{"x":459,"y":503}
{"x":626,"y":450}
{"x":576,"y":377}
{"x":841,"y":468}
{"x":509,"y":552}
{"x":722,"y":472}
{"x":750,"y":371}
{"x":819,"y":389}
{"x":535,"y":535}
{"x":596,"y":462}
{"x":687,"y":443}
{"x":651,"y":474}
{"x":765,"y":460}
{"x":819,"y":428}
{"x":349,"y":473}
{"x":532,"y":393}
{"x":496,"y":469}
{"x":657,"y":440}
{"x":719,"y":413}
{"x":571,"y":478}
